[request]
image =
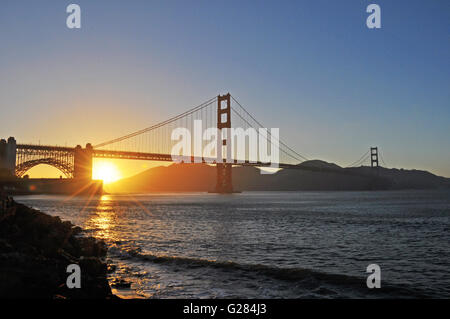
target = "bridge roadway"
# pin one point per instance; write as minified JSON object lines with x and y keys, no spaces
{"x":30,"y":148}
{"x":168,"y":158}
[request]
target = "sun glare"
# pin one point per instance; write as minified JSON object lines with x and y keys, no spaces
{"x":106,"y":171}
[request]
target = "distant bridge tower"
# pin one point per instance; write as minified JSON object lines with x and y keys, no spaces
{"x":224,"y":177}
{"x":374,"y":156}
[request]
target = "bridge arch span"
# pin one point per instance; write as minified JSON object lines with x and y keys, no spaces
{"x":24,"y":167}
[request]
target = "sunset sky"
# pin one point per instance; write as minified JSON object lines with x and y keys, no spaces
{"x":311,"y":68}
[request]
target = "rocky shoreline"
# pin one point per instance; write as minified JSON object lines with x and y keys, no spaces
{"x":35,"y":251}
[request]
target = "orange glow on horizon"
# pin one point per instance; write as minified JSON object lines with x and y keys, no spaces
{"x":124,"y":168}
{"x":106,"y":171}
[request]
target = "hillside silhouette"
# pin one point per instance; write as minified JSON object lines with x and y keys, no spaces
{"x":316,"y":176}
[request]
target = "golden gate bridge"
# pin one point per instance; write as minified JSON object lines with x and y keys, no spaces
{"x":155,"y":143}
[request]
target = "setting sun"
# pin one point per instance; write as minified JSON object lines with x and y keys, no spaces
{"x":106,"y":171}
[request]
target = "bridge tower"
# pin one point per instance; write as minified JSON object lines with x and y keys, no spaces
{"x":224,"y":178}
{"x":374,"y":156}
{"x":83,"y":162}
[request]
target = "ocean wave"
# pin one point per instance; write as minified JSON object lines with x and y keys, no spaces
{"x":306,"y":278}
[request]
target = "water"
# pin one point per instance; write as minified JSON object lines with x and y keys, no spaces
{"x":268,"y":244}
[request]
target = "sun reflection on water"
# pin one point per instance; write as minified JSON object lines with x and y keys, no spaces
{"x":116,"y":221}
{"x":102,"y":222}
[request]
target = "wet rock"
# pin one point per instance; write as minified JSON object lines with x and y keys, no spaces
{"x":35,"y":250}
{"x":121,"y":284}
{"x":111,"y":268}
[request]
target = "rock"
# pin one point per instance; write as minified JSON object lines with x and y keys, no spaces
{"x":35,"y":250}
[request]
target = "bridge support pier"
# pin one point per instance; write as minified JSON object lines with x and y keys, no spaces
{"x":83,"y":162}
{"x":224,"y":179}
{"x":8,"y":150}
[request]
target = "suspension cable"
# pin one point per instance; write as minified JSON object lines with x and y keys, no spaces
{"x":268,"y":134}
{"x":172,"y":119}
{"x":381,"y":157}
{"x":360,"y":160}
{"x":260,"y":125}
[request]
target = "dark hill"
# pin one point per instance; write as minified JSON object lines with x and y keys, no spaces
{"x":311,"y":175}
{"x":319,"y":164}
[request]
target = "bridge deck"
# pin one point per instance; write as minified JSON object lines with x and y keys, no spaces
{"x":45,"y":148}
{"x":168,"y":158}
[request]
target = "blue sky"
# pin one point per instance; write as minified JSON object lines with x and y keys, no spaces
{"x":311,"y":68}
